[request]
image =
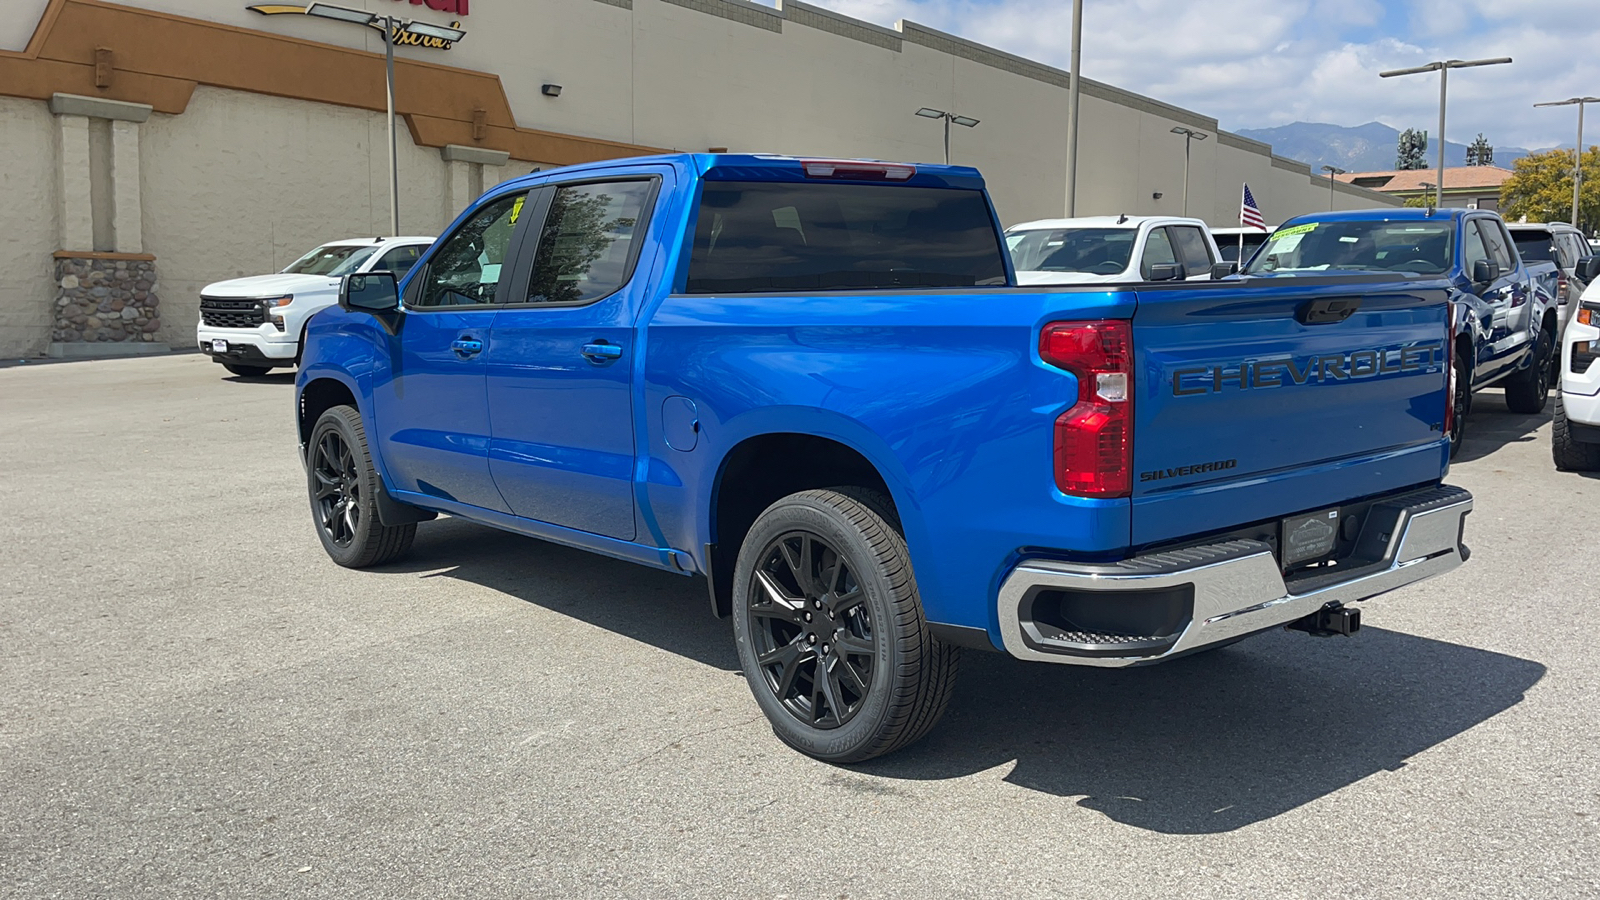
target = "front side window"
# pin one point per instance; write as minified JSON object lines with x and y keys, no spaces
{"x":1157,"y":252}
{"x":1473,"y":250}
{"x":814,"y":236}
{"x":465,"y":270}
{"x":1097,"y":251}
{"x":400,"y":259}
{"x":587,"y":242}
{"x":1494,"y":237}
{"x":1192,"y":247}
{"x":333,"y":260}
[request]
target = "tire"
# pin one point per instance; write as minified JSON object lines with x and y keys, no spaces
{"x":823,"y":571}
{"x":1461,"y":387}
{"x":342,"y":486}
{"x":1528,"y":391}
{"x":1571,"y":455}
{"x":246,"y":371}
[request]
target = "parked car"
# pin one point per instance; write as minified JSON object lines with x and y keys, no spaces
{"x":1504,"y":329}
{"x":1237,"y":245}
{"x":1111,"y":250}
{"x":255,"y":324}
{"x":1562,"y":245}
{"x":811,"y":383}
{"x":1575,"y":437}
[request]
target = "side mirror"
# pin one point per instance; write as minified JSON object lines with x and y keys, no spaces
{"x":1220,"y":270}
{"x":1484,"y":271}
{"x":374,"y":292}
{"x":1589,"y":267}
{"x":1165,"y":272}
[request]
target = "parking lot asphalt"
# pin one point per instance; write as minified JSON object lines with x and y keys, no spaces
{"x":195,"y":702}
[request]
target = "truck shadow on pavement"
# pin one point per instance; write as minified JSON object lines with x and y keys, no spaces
{"x":1206,"y":744}
{"x":1491,"y":426}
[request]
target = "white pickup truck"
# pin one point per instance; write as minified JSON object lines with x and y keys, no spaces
{"x":1111,"y":250}
{"x":1575,"y":441}
{"x":255,"y":324}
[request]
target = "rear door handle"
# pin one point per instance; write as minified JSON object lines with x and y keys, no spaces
{"x":601,"y":352}
{"x":466,"y":347}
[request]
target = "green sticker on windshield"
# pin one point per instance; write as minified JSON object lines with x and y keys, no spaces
{"x":1295,"y":229}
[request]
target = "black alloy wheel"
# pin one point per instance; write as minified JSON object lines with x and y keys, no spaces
{"x":1461,"y":400}
{"x":813,"y":634}
{"x":343,"y":488}
{"x":1528,"y":391}
{"x":337,"y":493}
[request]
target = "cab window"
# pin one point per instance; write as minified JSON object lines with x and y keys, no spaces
{"x":465,"y":270}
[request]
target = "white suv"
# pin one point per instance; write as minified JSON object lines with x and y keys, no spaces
{"x":255,"y":324}
{"x":1111,"y":250}
{"x":1576,"y":440}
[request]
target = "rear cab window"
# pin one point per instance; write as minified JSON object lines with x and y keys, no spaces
{"x":753,"y":237}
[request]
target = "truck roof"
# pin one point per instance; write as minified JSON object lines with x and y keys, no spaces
{"x":777,"y":167}
{"x":1396,"y":214}
{"x":1129,"y":222}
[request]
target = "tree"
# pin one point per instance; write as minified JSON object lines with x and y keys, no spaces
{"x":1412,"y":150}
{"x":1480,"y":153}
{"x":1540,"y":187}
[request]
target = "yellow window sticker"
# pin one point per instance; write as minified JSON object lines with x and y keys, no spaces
{"x":1295,"y":229}
{"x":516,"y":209}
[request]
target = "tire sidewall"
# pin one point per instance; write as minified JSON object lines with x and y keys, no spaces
{"x":338,"y":420}
{"x":799,"y":514}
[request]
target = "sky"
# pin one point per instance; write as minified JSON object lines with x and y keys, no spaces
{"x":1259,"y":63}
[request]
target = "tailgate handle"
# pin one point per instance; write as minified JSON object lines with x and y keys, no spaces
{"x":1328,"y":312}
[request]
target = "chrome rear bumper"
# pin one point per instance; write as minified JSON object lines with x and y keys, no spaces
{"x":1217,"y":592}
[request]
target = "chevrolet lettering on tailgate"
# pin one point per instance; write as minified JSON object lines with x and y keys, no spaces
{"x":1269,"y":373}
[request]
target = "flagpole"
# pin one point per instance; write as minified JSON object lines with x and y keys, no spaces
{"x":1241,"y":225}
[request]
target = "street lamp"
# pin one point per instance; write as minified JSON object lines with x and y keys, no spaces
{"x":968,"y":121}
{"x":1189,"y":135}
{"x":1073,"y":103}
{"x":1443,"y":67}
{"x":388,"y":25}
{"x":1332,"y":171}
{"x":1577,"y":169}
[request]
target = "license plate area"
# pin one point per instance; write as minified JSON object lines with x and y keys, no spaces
{"x":219,"y":346}
{"x":1308,"y":538}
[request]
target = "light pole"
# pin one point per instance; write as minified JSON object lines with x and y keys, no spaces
{"x":1189,"y":136}
{"x":968,"y":121}
{"x":1332,"y":171}
{"x":389,"y":25}
{"x":1443,"y":67}
{"x":1073,"y":96}
{"x":1577,"y":169}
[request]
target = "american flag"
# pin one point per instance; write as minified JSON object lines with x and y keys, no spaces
{"x":1249,"y":213}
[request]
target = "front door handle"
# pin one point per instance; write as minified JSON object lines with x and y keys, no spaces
{"x":466,"y":347}
{"x":601,"y":352}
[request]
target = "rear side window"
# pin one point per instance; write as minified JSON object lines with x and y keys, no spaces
{"x":752,"y":237}
{"x":587,"y":242}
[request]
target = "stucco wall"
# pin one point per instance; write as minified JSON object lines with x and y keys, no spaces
{"x":27,"y":226}
{"x":243,"y":184}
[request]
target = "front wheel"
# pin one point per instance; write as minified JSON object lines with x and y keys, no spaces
{"x":1528,"y":391}
{"x":1461,"y":402}
{"x":343,"y":486}
{"x":1571,"y":455}
{"x":830,"y":628}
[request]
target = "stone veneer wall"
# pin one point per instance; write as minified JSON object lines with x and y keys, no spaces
{"x":106,"y":301}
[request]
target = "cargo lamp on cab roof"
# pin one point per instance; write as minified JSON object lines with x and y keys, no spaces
{"x":857,"y":170}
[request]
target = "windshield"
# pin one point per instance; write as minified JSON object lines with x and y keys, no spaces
{"x":1098,"y":251}
{"x":332,"y":260}
{"x":1423,"y":248}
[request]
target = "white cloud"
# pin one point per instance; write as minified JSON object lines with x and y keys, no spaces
{"x":1256,"y":63}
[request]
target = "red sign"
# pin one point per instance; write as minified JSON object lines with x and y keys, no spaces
{"x":459,"y":7}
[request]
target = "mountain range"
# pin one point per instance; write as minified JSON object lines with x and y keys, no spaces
{"x":1362,"y":148}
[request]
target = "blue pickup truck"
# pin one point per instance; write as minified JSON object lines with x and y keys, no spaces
{"x":815,"y":384}
{"x":1505,"y":309}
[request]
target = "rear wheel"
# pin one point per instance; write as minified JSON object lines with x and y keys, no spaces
{"x":343,"y":487}
{"x":1571,"y":455}
{"x":830,"y":628}
{"x":1528,"y":391}
{"x":244,"y":371}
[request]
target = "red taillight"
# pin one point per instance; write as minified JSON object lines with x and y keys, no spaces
{"x":1561,"y":285}
{"x":1449,"y":369}
{"x":857,"y":170}
{"x":1094,"y":439}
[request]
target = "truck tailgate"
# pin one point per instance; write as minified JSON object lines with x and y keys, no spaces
{"x":1259,"y":399}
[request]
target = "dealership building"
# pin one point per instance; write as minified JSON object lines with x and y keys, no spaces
{"x":155,"y":146}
